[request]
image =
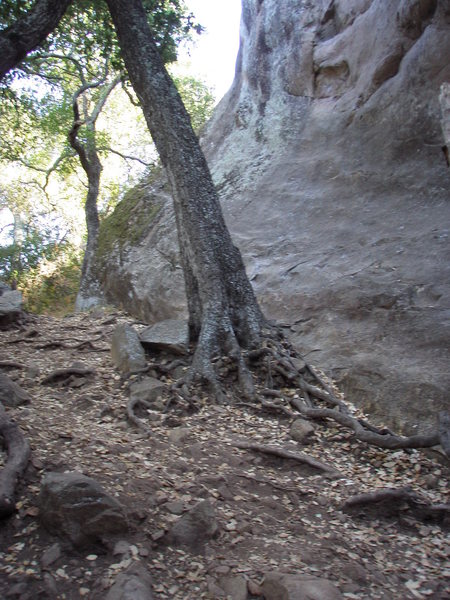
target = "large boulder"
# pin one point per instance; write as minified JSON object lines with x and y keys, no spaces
{"x":126,"y":350}
{"x":327,"y":152}
{"x":10,"y":305}
{"x":11,"y":394}
{"x":76,"y":507}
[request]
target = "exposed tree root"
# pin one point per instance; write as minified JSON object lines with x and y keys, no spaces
{"x":275,"y":370}
{"x":18,"y":452}
{"x":390,"y":502}
{"x":364,"y":434}
{"x":62,"y":376}
{"x":10,"y":364}
{"x":133,"y":403}
{"x":297,"y":456}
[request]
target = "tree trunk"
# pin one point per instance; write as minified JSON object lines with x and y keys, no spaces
{"x":26,"y":34}
{"x":223,"y":311}
{"x":89,"y":293}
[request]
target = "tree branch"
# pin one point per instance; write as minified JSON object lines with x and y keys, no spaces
{"x":27,"y":33}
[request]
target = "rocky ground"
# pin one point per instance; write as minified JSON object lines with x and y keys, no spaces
{"x":272,"y":514}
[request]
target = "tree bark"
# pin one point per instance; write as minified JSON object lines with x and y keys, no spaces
{"x":223,"y":311}
{"x":26,"y":34}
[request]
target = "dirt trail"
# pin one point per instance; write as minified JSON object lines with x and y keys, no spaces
{"x":274,"y":513}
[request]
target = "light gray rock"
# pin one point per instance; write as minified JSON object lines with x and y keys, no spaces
{"x":327,"y":155}
{"x":149,"y":389}
{"x":234,"y":586}
{"x":133,"y":584}
{"x":195,"y":528}
{"x":126,"y":350}
{"x":302,"y":431}
{"x":279,"y":586}
{"x":76,"y":507}
{"x":171,"y":335}
{"x":179,"y":435}
{"x":11,"y":394}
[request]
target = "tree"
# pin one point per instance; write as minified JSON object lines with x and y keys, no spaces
{"x":87,"y":69}
{"x":223,"y":311}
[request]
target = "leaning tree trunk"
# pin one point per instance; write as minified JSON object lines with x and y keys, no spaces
{"x":223,"y":311}
{"x":30,"y":31}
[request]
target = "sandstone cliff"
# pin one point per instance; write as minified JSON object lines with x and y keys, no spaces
{"x":327,"y":151}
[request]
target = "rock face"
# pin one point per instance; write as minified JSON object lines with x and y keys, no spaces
{"x":327,"y":152}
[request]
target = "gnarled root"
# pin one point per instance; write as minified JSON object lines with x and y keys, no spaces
{"x":390,"y":502}
{"x":18,"y":453}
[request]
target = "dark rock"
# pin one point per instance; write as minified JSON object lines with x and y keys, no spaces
{"x":51,"y":555}
{"x":302,"y":431}
{"x":126,"y":350}
{"x":195,"y":528}
{"x":280,"y":586}
{"x":11,"y":394}
{"x":133,"y":584}
{"x":10,"y":306}
{"x":170,"y":335}
{"x":76,"y":507}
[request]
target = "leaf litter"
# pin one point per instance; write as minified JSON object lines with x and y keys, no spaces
{"x":274,"y":513}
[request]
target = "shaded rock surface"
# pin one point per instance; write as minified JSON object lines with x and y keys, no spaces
{"x":171,"y":335}
{"x":11,"y":394}
{"x":76,"y":507}
{"x":327,"y":152}
{"x":126,"y":350}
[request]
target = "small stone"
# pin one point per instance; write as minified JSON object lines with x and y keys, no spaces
{"x":51,"y":555}
{"x":253,"y":588}
{"x":302,"y":431}
{"x":235,"y":587}
{"x":121,"y":548}
{"x":179,"y":435}
{"x":195,"y":527}
{"x":175,"y":508}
